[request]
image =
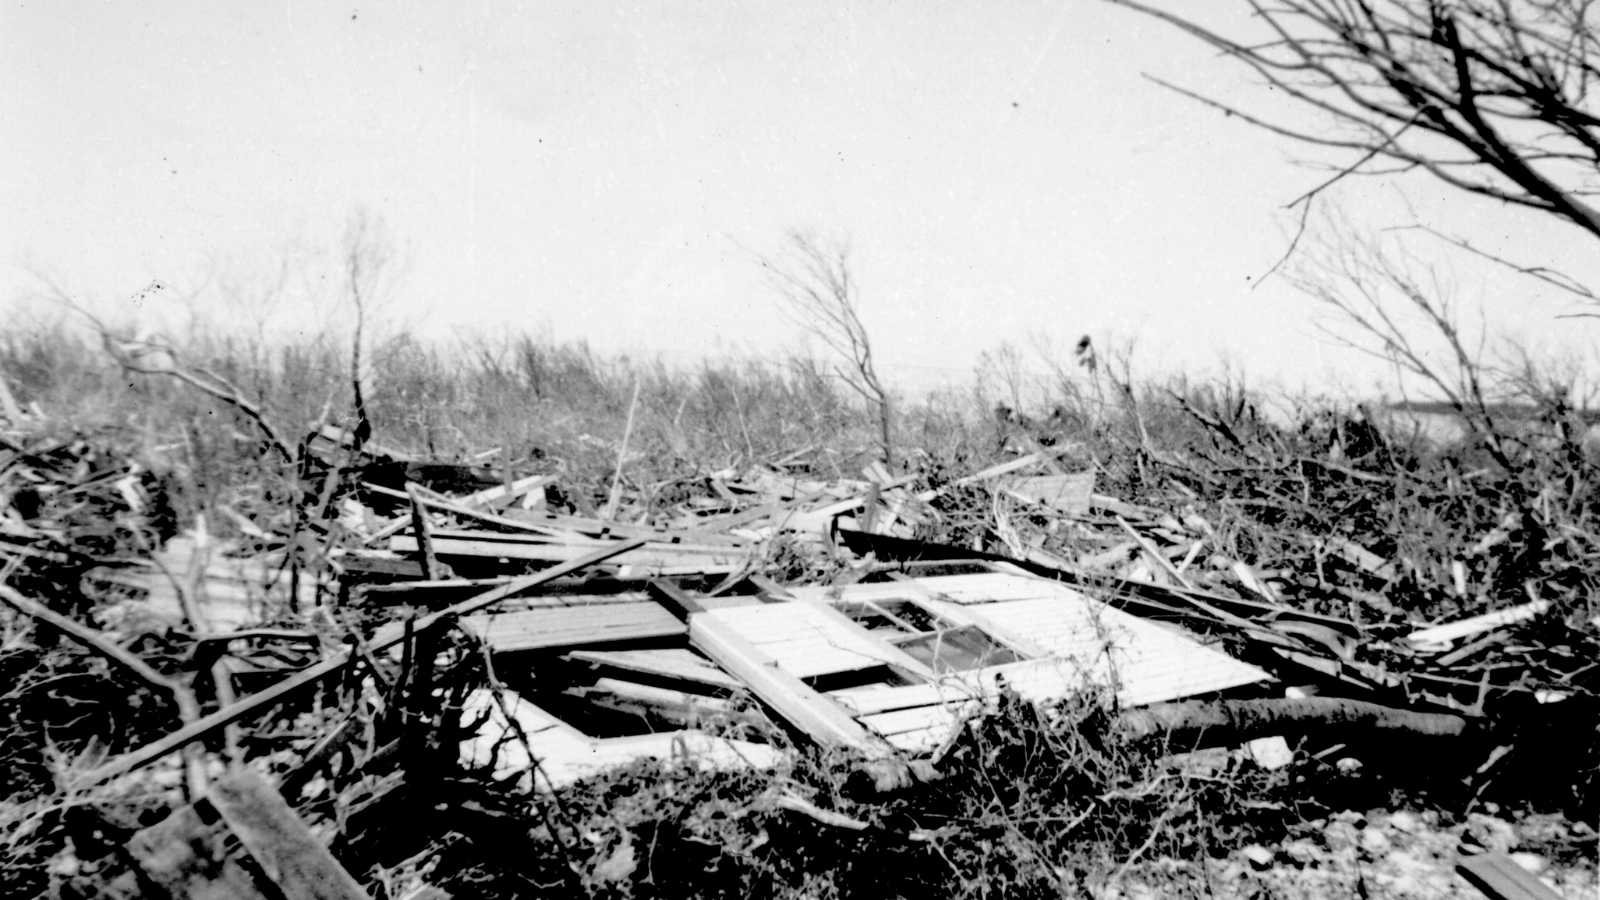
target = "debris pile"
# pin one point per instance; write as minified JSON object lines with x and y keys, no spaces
{"x":411,"y":616}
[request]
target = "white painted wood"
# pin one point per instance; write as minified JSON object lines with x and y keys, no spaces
{"x":573,"y":626}
{"x":679,"y":663}
{"x":811,"y":712}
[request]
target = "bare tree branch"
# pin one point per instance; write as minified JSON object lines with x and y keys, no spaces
{"x":815,"y":284}
{"x":1411,"y":83}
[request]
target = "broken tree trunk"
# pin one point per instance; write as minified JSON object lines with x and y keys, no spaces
{"x":1217,"y":722}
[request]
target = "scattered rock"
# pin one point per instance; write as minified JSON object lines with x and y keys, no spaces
{"x":1544,"y":829}
{"x":1405,"y":821}
{"x":1532,"y":862}
{"x":1375,"y":842}
{"x":1258,"y":856}
{"x":1269,"y":752}
{"x":1351,"y":816}
{"x":1492,"y":834}
{"x":1340,"y":836}
{"x":1301,"y":852}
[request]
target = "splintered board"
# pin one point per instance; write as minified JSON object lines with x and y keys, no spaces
{"x":1071,"y":494}
{"x":673,"y":663}
{"x":573,"y":626}
{"x":518,"y":740}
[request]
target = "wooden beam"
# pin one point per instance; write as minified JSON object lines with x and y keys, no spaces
{"x":1499,"y":877}
{"x":818,"y":717}
{"x":281,"y":845}
{"x":422,"y":529}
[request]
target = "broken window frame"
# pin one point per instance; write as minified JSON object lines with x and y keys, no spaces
{"x":908,"y":636}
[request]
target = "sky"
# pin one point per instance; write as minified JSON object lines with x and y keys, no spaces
{"x":613,"y":172}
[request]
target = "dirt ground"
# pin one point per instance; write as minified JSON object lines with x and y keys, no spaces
{"x":1382,"y":854}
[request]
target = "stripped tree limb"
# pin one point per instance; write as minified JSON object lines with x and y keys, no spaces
{"x":182,"y":694}
{"x":88,"y":637}
{"x":1199,"y":723}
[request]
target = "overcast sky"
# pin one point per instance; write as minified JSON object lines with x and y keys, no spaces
{"x":607,"y":171}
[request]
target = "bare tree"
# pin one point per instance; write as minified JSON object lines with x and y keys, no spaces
{"x":1494,"y":97}
{"x":1399,"y":311}
{"x":365,"y":256}
{"x":813,"y":279}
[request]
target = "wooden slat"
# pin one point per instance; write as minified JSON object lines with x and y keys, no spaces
{"x":1067,"y":493}
{"x":878,"y":698}
{"x":1499,"y":877}
{"x":573,"y":626}
{"x":721,"y":547}
{"x":1439,"y":635}
{"x":677,"y":663}
{"x":652,"y":555}
{"x":281,"y":845}
{"x":923,"y":719}
{"x":808,"y":640}
{"x":812,"y":713}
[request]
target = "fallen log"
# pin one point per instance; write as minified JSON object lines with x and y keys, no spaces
{"x":1207,"y":723}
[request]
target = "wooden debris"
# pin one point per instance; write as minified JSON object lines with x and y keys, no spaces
{"x":519,"y":740}
{"x":573,"y":626}
{"x":1499,"y":877}
{"x":386,"y":637}
{"x":1440,"y":636}
{"x":1070,"y":494}
{"x":673,"y":664}
{"x":1228,"y":722}
{"x":190,"y":853}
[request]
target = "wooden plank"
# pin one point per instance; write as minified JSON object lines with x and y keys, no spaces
{"x":653,"y":554}
{"x":806,"y":709}
{"x":917,"y":718}
{"x":872,"y":699}
{"x":688,"y":709}
{"x":805,"y":640}
{"x":675,"y":663}
{"x":1499,"y":877}
{"x":720,"y":546}
{"x":187,"y":858}
{"x":1439,"y":635}
{"x":676,"y":598}
{"x":506,"y":494}
{"x":573,"y":626}
{"x":281,"y":845}
{"x":422,"y":532}
{"x":381,"y":640}
{"x":1069,"y":493}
